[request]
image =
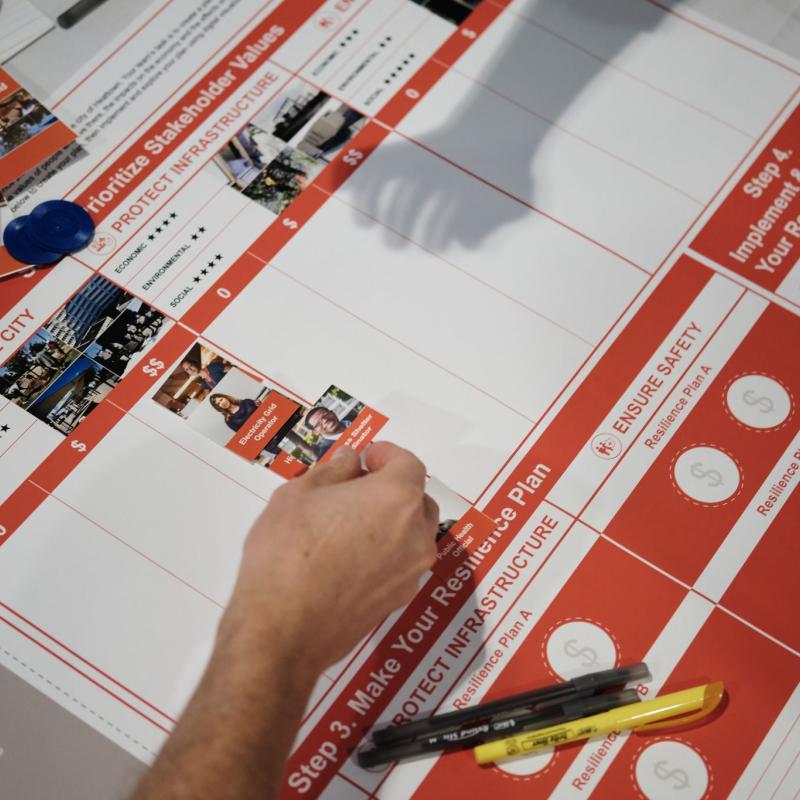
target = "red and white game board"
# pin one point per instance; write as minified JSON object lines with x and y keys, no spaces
{"x":555,"y":243}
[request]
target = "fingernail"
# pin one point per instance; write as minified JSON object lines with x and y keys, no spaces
{"x":342,"y":451}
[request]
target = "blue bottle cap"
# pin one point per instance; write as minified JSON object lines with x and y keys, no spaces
{"x":60,"y":225}
{"x":22,"y":248}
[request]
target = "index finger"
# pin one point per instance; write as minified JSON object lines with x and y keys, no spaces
{"x":388,"y":457}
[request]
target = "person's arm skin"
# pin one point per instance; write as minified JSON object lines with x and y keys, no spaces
{"x":333,"y":553}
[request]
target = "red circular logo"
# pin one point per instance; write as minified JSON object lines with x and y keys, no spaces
{"x":606,"y":445}
{"x":102,"y":243}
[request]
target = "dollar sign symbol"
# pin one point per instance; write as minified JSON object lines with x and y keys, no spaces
{"x":678,"y":777}
{"x":762,"y":401}
{"x":713,"y":475}
{"x":588,"y":654}
{"x":152,"y":367}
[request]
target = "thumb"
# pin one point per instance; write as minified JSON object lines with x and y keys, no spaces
{"x":344,"y":465}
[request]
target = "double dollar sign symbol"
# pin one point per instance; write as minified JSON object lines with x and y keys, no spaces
{"x":678,"y":777}
{"x":588,"y":654}
{"x":153,"y":367}
{"x":713,"y":475}
{"x":762,"y":401}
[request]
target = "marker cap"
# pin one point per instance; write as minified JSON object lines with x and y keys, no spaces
{"x":712,"y":697}
{"x":672,"y":710}
{"x":608,"y":678}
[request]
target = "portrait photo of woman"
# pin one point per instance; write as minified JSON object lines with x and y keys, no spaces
{"x":235,"y":411}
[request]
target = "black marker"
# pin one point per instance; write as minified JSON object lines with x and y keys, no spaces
{"x":584,"y":686}
{"x":75,"y":13}
{"x":576,"y":708}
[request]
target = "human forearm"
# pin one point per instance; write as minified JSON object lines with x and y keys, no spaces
{"x":237,"y":730}
{"x":333,"y":553}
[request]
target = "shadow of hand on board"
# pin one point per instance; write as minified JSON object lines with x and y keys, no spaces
{"x":525,"y":76}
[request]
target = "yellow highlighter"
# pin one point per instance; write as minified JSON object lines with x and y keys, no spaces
{"x":662,"y":712}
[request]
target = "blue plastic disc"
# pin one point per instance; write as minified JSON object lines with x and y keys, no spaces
{"x":59,"y":225}
{"x":22,"y":247}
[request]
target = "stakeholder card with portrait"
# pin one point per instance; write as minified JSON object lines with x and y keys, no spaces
{"x":245,"y":416}
{"x":192,"y":380}
{"x":252,"y":419}
{"x":229,"y":406}
{"x":462,"y":528}
{"x":336,"y":420}
{"x":29,"y":132}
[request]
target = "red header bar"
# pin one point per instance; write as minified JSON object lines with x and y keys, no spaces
{"x":756,"y":230}
{"x":192,"y":109}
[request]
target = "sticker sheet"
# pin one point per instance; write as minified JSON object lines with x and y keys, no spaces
{"x":552,"y":247}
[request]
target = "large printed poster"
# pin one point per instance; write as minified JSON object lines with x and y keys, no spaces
{"x":549,"y":246}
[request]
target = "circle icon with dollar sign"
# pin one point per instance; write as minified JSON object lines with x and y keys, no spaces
{"x":758,"y":401}
{"x":706,"y":475}
{"x":670,"y":769}
{"x":578,"y":646}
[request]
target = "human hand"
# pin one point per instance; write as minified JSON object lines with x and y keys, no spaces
{"x":333,"y":553}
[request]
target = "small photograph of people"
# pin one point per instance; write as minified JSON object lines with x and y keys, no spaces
{"x":283,"y":179}
{"x":73,"y":395}
{"x":22,"y":116}
{"x":286,"y":145}
{"x":119,"y":346}
{"x":196,"y":375}
{"x":267,"y":135}
{"x":322,"y":426}
{"x":228,"y":406}
{"x":451,"y":505}
{"x":29,"y":371}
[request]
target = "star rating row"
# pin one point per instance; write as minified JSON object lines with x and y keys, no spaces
{"x":399,"y":68}
{"x":165,"y":223}
{"x":349,"y":38}
{"x":208,"y":267}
